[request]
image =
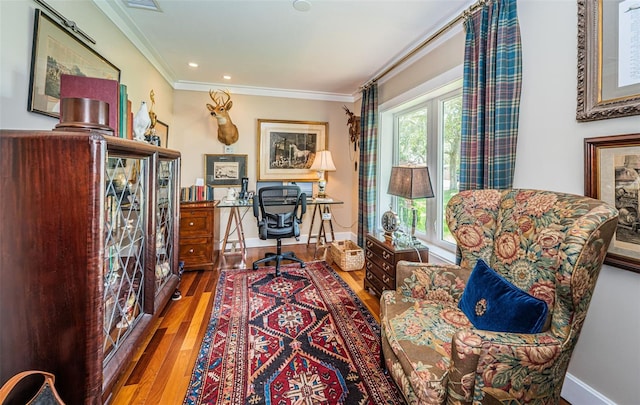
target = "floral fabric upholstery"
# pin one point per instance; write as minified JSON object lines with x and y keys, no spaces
{"x":549,"y":244}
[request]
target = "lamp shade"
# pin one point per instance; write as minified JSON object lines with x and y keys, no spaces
{"x":323,"y":161}
{"x":410,"y":182}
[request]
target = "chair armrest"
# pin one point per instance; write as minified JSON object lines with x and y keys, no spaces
{"x":513,"y":366}
{"x":256,"y":208}
{"x":440,"y":282}
{"x":302,"y":202}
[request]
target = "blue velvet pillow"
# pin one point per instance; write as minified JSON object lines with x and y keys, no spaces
{"x":492,"y":303}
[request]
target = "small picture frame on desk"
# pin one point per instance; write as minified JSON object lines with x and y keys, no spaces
{"x":225,"y":170}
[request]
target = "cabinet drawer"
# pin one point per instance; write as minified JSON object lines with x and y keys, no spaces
{"x":374,"y":282}
{"x":380,"y":251}
{"x":386,"y":265}
{"x":196,"y":250}
{"x":196,"y":223}
{"x":387,"y":278}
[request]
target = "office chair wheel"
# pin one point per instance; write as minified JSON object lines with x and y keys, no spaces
{"x":302,"y":265}
{"x":255,"y":267}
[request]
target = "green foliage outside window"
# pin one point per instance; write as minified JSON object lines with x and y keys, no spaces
{"x":413,"y":127}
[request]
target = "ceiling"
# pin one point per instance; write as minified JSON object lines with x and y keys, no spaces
{"x":330,"y":50}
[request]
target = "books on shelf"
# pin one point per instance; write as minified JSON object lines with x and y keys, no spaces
{"x":196,"y":193}
{"x":122,"y":113}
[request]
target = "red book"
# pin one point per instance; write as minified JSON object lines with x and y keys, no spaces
{"x":97,"y":89}
{"x":129,"y":121}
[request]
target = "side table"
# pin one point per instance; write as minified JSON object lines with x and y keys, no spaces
{"x":381,"y":258}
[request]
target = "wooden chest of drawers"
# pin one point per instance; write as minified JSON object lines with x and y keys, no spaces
{"x":199,"y":235}
{"x":381,"y":258}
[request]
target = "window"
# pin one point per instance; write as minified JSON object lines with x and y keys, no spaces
{"x":426,"y":130}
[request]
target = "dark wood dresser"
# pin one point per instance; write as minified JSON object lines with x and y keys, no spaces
{"x":199,"y":234}
{"x":381,"y":258}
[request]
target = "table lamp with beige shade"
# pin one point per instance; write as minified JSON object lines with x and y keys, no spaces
{"x":323,"y":162}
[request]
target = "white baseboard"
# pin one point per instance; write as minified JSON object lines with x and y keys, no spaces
{"x":576,"y":392}
{"x":257,"y":242}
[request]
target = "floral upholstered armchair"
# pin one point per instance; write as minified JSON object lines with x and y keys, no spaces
{"x":544,"y":245}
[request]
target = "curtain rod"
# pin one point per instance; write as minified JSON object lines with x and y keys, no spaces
{"x":427,"y":41}
{"x":70,"y":25}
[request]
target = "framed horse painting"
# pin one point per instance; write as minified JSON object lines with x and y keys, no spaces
{"x":286,"y":149}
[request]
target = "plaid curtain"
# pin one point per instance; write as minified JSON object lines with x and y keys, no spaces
{"x":368,"y":160}
{"x":490,"y":96}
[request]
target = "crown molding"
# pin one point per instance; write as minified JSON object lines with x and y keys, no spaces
{"x":114,"y":10}
{"x":265,"y":91}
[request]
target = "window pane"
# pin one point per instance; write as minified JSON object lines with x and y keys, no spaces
{"x":412,"y":137}
{"x":412,"y":148}
{"x":451,"y":124}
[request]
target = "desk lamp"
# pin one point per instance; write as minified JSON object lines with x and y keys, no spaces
{"x":322,"y":162}
{"x":411,"y":182}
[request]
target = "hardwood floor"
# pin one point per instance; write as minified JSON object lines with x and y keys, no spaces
{"x":161,"y":370}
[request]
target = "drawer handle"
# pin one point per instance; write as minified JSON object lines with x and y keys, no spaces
{"x":369,"y":276}
{"x":190,"y":223}
{"x":386,"y":255}
{"x":369,"y":254}
{"x":190,"y":250}
{"x":369,"y":244}
{"x":386,"y":279}
{"x":386,"y":266}
{"x":369,"y":264}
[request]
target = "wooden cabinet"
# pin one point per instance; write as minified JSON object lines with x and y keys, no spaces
{"x":381,"y":258}
{"x":199,"y":235}
{"x":89,"y":230}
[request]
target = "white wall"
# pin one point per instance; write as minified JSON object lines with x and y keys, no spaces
{"x":550,"y":156}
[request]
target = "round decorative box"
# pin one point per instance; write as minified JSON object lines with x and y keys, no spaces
{"x":84,"y":113}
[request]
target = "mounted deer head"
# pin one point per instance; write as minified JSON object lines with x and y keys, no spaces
{"x":227,"y":131}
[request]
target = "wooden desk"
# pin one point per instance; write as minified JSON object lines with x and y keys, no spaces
{"x":321,"y":207}
{"x":235,"y":218}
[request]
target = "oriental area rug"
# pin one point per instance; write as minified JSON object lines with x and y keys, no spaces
{"x":299,"y":339}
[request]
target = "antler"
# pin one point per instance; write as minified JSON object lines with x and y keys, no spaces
{"x":218,"y":100}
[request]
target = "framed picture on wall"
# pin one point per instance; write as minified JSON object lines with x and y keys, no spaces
{"x":612,"y":174}
{"x":56,"y":52}
{"x":162,"y":131}
{"x":608,"y":63}
{"x":225,"y":170}
{"x":286,"y":149}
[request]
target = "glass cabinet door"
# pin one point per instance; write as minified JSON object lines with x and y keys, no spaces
{"x":165,"y":246}
{"x":124,"y":253}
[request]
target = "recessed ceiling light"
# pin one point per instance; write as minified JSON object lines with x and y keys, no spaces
{"x":193,"y":64}
{"x":302,"y":5}
{"x":145,"y":4}
{"x":226,"y":77}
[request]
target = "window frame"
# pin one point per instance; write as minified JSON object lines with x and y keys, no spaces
{"x":431,"y":95}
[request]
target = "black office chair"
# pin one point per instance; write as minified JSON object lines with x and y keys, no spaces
{"x":279,"y":212}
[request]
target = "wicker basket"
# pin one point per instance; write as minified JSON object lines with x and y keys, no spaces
{"x":347,"y":255}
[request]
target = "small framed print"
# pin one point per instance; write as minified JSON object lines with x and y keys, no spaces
{"x":225,"y":170}
{"x":612,"y":174}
